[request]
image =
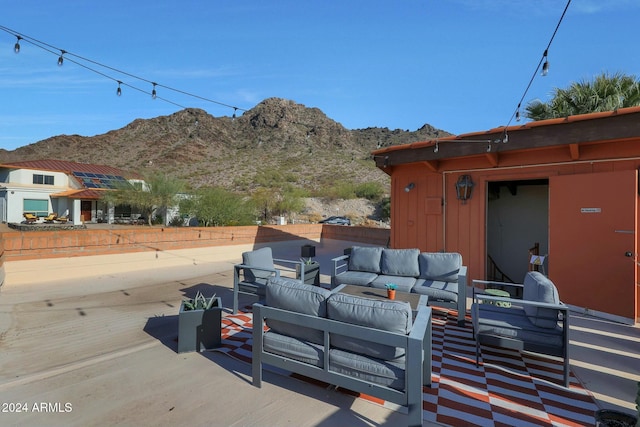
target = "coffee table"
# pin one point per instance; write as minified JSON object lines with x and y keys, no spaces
{"x":415,"y":300}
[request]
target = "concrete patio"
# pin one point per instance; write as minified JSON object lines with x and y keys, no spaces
{"x":94,"y":340}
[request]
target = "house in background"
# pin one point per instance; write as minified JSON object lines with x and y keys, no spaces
{"x":569,"y":185}
{"x":41,"y":187}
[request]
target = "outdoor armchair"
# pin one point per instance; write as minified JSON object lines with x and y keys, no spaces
{"x":252,"y":275}
{"x":531,"y":318}
{"x":50,"y":218}
{"x":30,"y":218}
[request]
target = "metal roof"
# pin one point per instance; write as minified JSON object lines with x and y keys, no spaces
{"x":66,"y":167}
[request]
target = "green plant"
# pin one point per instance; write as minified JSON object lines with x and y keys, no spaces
{"x":199,"y":302}
{"x":390,"y":286}
{"x":307,"y":261}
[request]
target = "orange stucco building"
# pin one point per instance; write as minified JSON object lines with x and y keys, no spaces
{"x":568,"y":185}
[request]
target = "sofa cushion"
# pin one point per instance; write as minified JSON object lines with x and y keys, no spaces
{"x":513,"y":324}
{"x":390,"y":374}
{"x":403,"y":283}
{"x":394,"y":316}
{"x":262,"y":258}
{"x":293,"y":295}
{"x":440,"y":266}
{"x":364,"y":258}
{"x":360,"y":278}
{"x":400,"y":262}
{"x":293,"y":348}
{"x":437,"y":290}
{"x":539,"y":288}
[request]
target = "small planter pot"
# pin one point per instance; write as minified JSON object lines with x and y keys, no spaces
{"x":199,"y":330}
{"x":391,"y":293}
{"x":311,"y":273}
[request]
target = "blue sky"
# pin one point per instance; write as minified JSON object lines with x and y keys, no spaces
{"x":458,"y":65}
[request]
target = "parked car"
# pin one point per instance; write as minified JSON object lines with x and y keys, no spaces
{"x":337,"y":220}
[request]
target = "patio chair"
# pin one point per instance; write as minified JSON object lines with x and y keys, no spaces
{"x":30,"y":218}
{"x":538,"y":322}
{"x":51,"y":217}
{"x":252,"y":275}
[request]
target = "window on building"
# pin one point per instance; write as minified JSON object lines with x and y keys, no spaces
{"x":122,"y":211}
{"x":42,"y":179}
{"x":37,"y":207}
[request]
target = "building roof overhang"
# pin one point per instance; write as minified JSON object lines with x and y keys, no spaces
{"x":570,"y":133}
{"x":84,"y":194}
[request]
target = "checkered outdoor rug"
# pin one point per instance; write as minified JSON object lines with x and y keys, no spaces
{"x":507,"y":389}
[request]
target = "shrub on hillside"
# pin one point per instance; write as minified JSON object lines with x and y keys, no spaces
{"x":369,"y":190}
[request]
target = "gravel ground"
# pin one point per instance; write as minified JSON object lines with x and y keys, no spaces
{"x":358,"y":210}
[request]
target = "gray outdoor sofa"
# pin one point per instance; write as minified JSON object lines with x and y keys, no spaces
{"x":365,"y":345}
{"x":439,"y":275}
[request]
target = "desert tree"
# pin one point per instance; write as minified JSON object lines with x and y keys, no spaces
{"x":605,"y":93}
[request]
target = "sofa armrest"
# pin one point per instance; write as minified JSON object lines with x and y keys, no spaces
{"x":422,"y":330}
{"x":295,"y":265}
{"x":239,"y":267}
{"x":462,"y":294}
{"x":340,"y":265}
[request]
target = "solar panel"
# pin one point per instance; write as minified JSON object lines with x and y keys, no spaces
{"x":99,"y":180}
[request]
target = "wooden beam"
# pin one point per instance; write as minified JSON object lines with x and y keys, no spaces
{"x":492,"y":158}
{"x":432,"y":165}
{"x":574,"y":151}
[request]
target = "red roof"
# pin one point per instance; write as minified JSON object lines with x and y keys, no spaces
{"x":85,"y":194}
{"x":512,"y":128}
{"x":67,"y":167}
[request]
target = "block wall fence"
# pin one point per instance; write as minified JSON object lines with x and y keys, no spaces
{"x":24,"y":245}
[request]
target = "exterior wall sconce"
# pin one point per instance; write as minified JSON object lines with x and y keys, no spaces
{"x":464,"y":186}
{"x":409,"y":187}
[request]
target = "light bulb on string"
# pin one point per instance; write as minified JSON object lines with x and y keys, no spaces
{"x":60,"y":58}
{"x":518,"y":113}
{"x":119,"y":90}
{"x":234,"y":113}
{"x":153,"y":92}
{"x":545,"y":66}
{"x":16,"y":47}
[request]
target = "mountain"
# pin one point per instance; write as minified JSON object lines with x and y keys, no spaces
{"x":278,"y":139}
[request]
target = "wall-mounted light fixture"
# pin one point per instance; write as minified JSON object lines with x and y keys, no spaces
{"x":409,"y":187}
{"x":464,"y":186}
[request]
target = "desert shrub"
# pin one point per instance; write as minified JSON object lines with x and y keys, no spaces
{"x":369,"y":190}
{"x":314,"y":217}
{"x":385,"y":208}
{"x":340,"y":190}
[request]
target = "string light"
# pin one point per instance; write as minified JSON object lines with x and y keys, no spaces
{"x":437,"y":147}
{"x":60,"y":58}
{"x":544,"y":63}
{"x":81,"y":61}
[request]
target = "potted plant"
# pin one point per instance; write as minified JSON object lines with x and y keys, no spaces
{"x":199,"y":323}
{"x":391,"y":290}
{"x":311,"y":271}
{"x":613,"y":418}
